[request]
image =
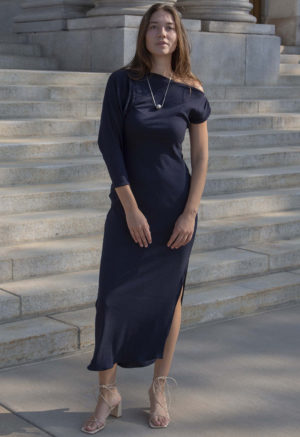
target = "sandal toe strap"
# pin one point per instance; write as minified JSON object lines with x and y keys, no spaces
{"x":96,"y":420}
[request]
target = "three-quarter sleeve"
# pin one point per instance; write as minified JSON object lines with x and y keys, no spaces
{"x":200,"y":110}
{"x":110,"y":137}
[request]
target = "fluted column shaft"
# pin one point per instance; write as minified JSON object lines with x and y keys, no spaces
{"x":122,"y":7}
{"x":217,"y":10}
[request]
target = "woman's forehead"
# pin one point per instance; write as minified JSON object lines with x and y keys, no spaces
{"x":161,"y":16}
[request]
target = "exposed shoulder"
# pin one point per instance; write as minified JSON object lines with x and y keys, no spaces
{"x":196,"y":84}
{"x":191,"y":82}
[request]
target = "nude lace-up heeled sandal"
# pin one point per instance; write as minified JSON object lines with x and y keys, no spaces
{"x":155,"y":386}
{"x":114,"y":410}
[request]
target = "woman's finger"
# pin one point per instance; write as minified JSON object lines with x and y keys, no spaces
{"x":181,"y":240}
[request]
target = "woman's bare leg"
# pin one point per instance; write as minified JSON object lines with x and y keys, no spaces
{"x":108,"y":376}
{"x":162,"y":365}
{"x":112,"y":396}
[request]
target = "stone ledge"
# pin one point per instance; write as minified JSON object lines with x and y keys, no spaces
{"x":236,"y":27}
{"x":40,"y":26}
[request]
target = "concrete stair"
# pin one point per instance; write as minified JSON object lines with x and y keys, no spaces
{"x":17,"y":53}
{"x":54,"y":189}
{"x":289,"y":60}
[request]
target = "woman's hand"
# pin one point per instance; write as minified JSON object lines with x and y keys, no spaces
{"x":183,"y":231}
{"x":139,"y":227}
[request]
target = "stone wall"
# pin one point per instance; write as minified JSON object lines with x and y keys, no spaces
{"x":8,"y":10}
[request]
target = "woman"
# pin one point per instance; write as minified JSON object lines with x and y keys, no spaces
{"x":151,"y":225}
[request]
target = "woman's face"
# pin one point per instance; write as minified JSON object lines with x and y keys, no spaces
{"x":161,"y":28}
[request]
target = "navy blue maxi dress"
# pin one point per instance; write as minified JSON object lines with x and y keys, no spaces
{"x":142,"y":146}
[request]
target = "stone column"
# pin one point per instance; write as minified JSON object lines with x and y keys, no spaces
{"x":49,"y":15}
{"x":122,"y":7}
{"x":217,"y":10}
{"x":286,"y":17}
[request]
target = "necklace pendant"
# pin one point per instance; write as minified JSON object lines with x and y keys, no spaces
{"x":158,"y":106}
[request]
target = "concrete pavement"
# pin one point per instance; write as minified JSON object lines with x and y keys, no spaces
{"x":237,"y":378}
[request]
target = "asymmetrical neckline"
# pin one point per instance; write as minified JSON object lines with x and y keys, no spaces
{"x":174,"y":81}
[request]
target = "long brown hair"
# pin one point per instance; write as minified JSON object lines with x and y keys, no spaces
{"x":141,"y":63}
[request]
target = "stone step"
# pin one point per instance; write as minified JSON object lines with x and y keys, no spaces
{"x":48,"y":257}
{"x":89,"y":168}
{"x":13,"y":148}
{"x":290,"y":49}
{"x":236,"y":298}
{"x":55,"y":77}
{"x":249,"y":259}
{"x":239,"y":180}
{"x":274,"y":120}
{"x":252,"y":106}
{"x":237,"y":159}
{"x":85,"y":108}
{"x":51,"y":170}
{"x":211,"y":234}
{"x":55,"y":109}
{"x":90,"y":126}
{"x":20,"y":148}
{"x":40,"y":337}
{"x":71,"y":92}
{"x":290,"y":58}
{"x":94,"y":194}
{"x":87,"y":194}
{"x":217,"y":234}
{"x":7,"y":48}
{"x":28,"y":340}
{"x":248,"y":203}
{"x":248,"y":179}
{"x":51,"y":224}
{"x":293,"y":69}
{"x":80,"y":167}
{"x":253,"y":139}
{"x":238,"y":147}
{"x":13,"y":37}
{"x":41,"y":258}
{"x":50,"y":126}
{"x":21,"y":298}
{"x":54,"y":93}
{"x":41,"y":296}
{"x":228,"y":92}
{"x":61,"y":84}
{"x":27,"y":62}
{"x":288,"y":79}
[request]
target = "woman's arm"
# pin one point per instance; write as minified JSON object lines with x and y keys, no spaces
{"x":111,"y":145}
{"x":126,"y":198}
{"x":185,"y":223}
{"x":199,"y":164}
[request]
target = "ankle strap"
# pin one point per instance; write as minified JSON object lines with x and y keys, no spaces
{"x":163,"y":378}
{"x":155,"y":383}
{"x":113,"y":384}
{"x":107,"y":386}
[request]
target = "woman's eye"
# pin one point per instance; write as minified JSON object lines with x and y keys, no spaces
{"x":168,"y":27}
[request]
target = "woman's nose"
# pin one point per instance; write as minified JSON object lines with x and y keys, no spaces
{"x":162,"y":31}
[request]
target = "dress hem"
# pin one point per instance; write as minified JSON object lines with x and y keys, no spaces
{"x":149,"y":362}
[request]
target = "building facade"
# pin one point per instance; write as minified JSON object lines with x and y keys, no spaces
{"x":232,"y":42}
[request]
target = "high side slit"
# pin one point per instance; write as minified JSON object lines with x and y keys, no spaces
{"x":139,"y":287}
